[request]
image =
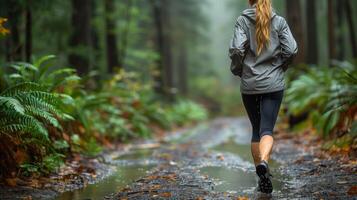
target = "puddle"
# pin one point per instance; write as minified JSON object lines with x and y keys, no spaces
{"x":118,"y":180}
{"x":235,"y":179}
{"x":136,"y":154}
{"x":130,"y":167}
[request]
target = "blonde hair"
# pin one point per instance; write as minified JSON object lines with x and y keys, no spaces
{"x":262,"y":27}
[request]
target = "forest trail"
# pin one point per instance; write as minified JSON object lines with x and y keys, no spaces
{"x":213,"y":161}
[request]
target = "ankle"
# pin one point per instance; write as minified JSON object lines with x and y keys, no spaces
{"x":265,"y":161}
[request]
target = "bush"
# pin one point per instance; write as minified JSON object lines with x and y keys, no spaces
{"x":185,"y":111}
{"x":329,"y":95}
{"x":47,"y":113}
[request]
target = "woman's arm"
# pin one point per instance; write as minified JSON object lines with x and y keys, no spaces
{"x":288,"y":44}
{"x":238,"y":46}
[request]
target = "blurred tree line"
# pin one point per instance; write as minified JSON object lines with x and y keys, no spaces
{"x":341,"y":29}
{"x":158,"y":38}
{"x":324,"y":29}
{"x":181,"y":45}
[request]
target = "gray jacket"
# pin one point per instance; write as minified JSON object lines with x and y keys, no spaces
{"x":263,"y":73}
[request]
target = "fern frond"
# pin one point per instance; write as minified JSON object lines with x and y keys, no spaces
{"x":25,"y":124}
{"x":33,"y":111}
{"x":20,"y":66}
{"x":30,"y":100}
{"x":25,"y":86}
{"x":11,"y":105}
{"x":50,"y":98}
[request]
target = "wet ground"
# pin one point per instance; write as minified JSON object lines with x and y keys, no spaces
{"x":213,"y":161}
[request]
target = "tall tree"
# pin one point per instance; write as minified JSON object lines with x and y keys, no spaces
{"x":349,"y":14}
{"x":293,"y":9}
{"x":311,"y":29}
{"x":340,"y":31}
{"x":186,"y":35}
{"x":331,"y":31}
{"x":125,"y":33}
{"x":157,"y":14}
{"x":28,"y":31}
{"x":182,"y":69}
{"x":162,"y":22}
{"x":13,"y":42}
{"x":111,"y":38}
{"x":80,"y":40}
{"x":167,"y":53}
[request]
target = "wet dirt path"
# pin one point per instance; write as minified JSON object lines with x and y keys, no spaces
{"x":210,"y":161}
{"x":213,"y":161}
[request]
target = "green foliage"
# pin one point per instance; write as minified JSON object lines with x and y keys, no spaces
{"x":49,"y":111}
{"x":221,"y":98}
{"x":328,"y":94}
{"x":49,"y":164}
{"x":29,"y":108}
{"x":186,"y":111}
{"x":26,"y":108}
{"x":127,"y":108}
{"x":44,"y":74}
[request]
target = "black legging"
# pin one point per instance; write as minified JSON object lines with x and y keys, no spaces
{"x":263,"y":111}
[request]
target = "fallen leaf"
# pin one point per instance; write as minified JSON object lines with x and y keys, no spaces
{"x":27,"y":198}
{"x":11,"y":182}
{"x":352,"y":191}
{"x":155,"y":187}
{"x":242,"y":198}
{"x":20,"y":156}
{"x":165,"y":194}
{"x":66,"y":137}
{"x":35,"y":183}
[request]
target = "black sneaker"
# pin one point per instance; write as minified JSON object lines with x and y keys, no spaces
{"x":264,"y":183}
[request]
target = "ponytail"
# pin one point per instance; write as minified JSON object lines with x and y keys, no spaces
{"x":263,"y":22}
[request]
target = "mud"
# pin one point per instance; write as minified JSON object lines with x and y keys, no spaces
{"x":210,"y":161}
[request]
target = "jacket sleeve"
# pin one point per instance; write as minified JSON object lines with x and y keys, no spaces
{"x":238,"y":47}
{"x":289,"y":47}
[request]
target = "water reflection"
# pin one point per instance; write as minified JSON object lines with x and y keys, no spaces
{"x":235,"y":179}
{"x":118,"y":180}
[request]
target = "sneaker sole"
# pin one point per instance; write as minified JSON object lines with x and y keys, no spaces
{"x":267,"y":186}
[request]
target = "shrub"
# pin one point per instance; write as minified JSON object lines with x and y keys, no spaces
{"x":329,"y":95}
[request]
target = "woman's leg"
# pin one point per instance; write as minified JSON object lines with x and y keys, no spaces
{"x":252,"y":106}
{"x":270,"y":105}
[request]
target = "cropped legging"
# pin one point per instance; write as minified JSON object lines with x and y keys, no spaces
{"x":262,"y":111}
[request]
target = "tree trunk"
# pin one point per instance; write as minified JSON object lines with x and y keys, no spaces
{"x":293,"y":9}
{"x":340,"y":35}
{"x":164,"y":81}
{"x":182,"y":70}
{"x":312,"y":43}
{"x":125,"y":37}
{"x":167,"y":53}
{"x":351,"y":27}
{"x":331,"y":31}
{"x":28,"y":28}
{"x":158,"y":77}
{"x":111,"y":38}
{"x":13,"y":45}
{"x":80,"y":39}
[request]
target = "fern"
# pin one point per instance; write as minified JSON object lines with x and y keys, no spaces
{"x":20,"y":87}
{"x":9,"y":103}
{"x":39,"y":113}
{"x":330,"y":92}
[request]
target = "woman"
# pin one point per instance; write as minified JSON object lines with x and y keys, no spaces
{"x":261,"y":50}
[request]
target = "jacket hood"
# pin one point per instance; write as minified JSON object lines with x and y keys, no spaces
{"x":251,"y":13}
